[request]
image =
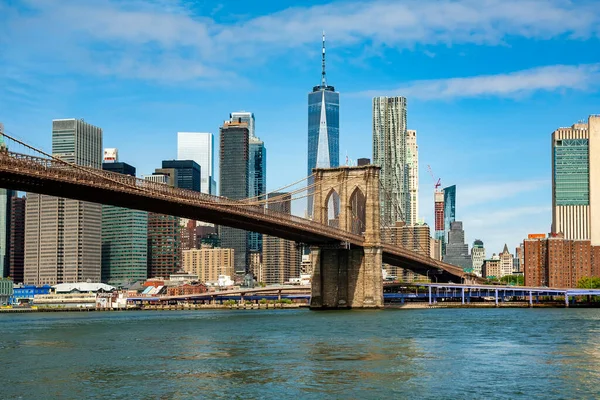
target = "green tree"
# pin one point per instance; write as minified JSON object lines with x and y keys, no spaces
{"x":589,"y":283}
{"x":516,"y":280}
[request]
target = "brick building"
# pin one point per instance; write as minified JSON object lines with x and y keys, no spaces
{"x":559,"y":262}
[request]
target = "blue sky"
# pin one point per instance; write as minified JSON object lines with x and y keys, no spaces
{"x":487,"y":81}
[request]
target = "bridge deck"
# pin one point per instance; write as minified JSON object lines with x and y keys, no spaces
{"x":56,"y":178}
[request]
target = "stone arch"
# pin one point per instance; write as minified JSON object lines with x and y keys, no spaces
{"x":358,"y":213}
{"x":331,"y":206}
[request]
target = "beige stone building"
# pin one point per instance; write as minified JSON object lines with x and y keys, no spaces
{"x":281,"y":258}
{"x":506,"y":262}
{"x":208,"y":263}
{"x":413,"y":237}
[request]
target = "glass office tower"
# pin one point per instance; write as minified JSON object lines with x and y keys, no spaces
{"x":323,"y":128}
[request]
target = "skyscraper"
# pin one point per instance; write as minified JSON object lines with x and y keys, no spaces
{"x":257,"y":183}
{"x":457,"y":251}
{"x":164,"y":236}
{"x":412,"y":159}
{"x":438,"y":196}
{"x":124,"y":236}
{"x":188,"y":173}
{"x":63,"y":237}
{"x":17,"y":239}
{"x":6,"y":196}
{"x":281,"y":258}
{"x":477,"y":257}
{"x":257,"y":169}
{"x":323,"y":128}
{"x":571,"y":177}
{"x":233,"y":184}
{"x":449,"y":212}
{"x":390,"y":153}
{"x":200,"y":148}
{"x":244,"y":116}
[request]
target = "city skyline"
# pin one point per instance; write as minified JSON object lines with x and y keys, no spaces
{"x":498,"y":118}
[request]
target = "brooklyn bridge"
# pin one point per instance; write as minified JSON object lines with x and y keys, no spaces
{"x":347,"y":255}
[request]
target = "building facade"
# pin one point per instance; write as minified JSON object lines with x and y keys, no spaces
{"x":124,"y":237}
{"x":257,"y":184}
{"x":438,"y":198}
{"x":281,"y":258}
{"x":199,"y":147}
{"x":571,"y":182}
{"x":477,"y":257}
{"x":208,"y":263}
{"x":412,"y":159}
{"x":6,"y":197}
{"x":63,"y":237}
{"x":457,"y":251}
{"x":187,"y":175}
{"x":412,"y":237}
{"x":506,"y":262}
{"x":449,"y":211}
{"x":492,"y":268}
{"x":323,"y":128}
{"x":17,"y":239}
{"x":233,"y":184}
{"x":390,"y":153}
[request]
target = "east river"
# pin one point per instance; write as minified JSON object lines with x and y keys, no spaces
{"x":301,"y":354}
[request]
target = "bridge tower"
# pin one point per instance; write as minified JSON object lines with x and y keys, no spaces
{"x":346,"y":276}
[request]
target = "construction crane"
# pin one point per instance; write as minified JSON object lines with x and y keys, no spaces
{"x":439,"y":181}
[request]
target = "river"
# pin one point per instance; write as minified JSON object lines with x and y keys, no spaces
{"x":302,"y":354}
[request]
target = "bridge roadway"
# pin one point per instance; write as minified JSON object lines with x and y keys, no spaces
{"x":434,"y":291}
{"x":56,"y":178}
{"x":466,"y":292}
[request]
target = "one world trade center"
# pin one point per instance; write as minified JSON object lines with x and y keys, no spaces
{"x":323,"y":129}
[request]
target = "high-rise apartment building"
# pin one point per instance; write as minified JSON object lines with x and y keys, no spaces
{"x":576,"y":181}
{"x":390,"y":153}
{"x":124,"y":236}
{"x":323,"y":128}
{"x":208,"y":263}
{"x":63,"y":237}
{"x":412,"y":159}
{"x":457,"y":251}
{"x":477,"y":257}
{"x":17,"y":239}
{"x":559,"y":262}
{"x":164,"y":232}
{"x":233,"y":184}
{"x":199,"y":146}
{"x":416,"y":238}
{"x":187,"y":175}
{"x":281,"y":258}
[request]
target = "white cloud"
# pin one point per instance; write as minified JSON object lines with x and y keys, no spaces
{"x":471,"y":195}
{"x":79,"y":34}
{"x":515,"y":84}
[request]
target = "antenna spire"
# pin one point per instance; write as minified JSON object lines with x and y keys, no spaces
{"x":323,"y":80}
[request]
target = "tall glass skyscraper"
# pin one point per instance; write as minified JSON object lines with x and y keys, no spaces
{"x":199,"y":146}
{"x":124,"y":238}
{"x":449,"y":212}
{"x":257,"y":183}
{"x":323,"y":128}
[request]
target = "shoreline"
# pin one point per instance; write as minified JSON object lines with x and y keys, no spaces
{"x":199,"y":307}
